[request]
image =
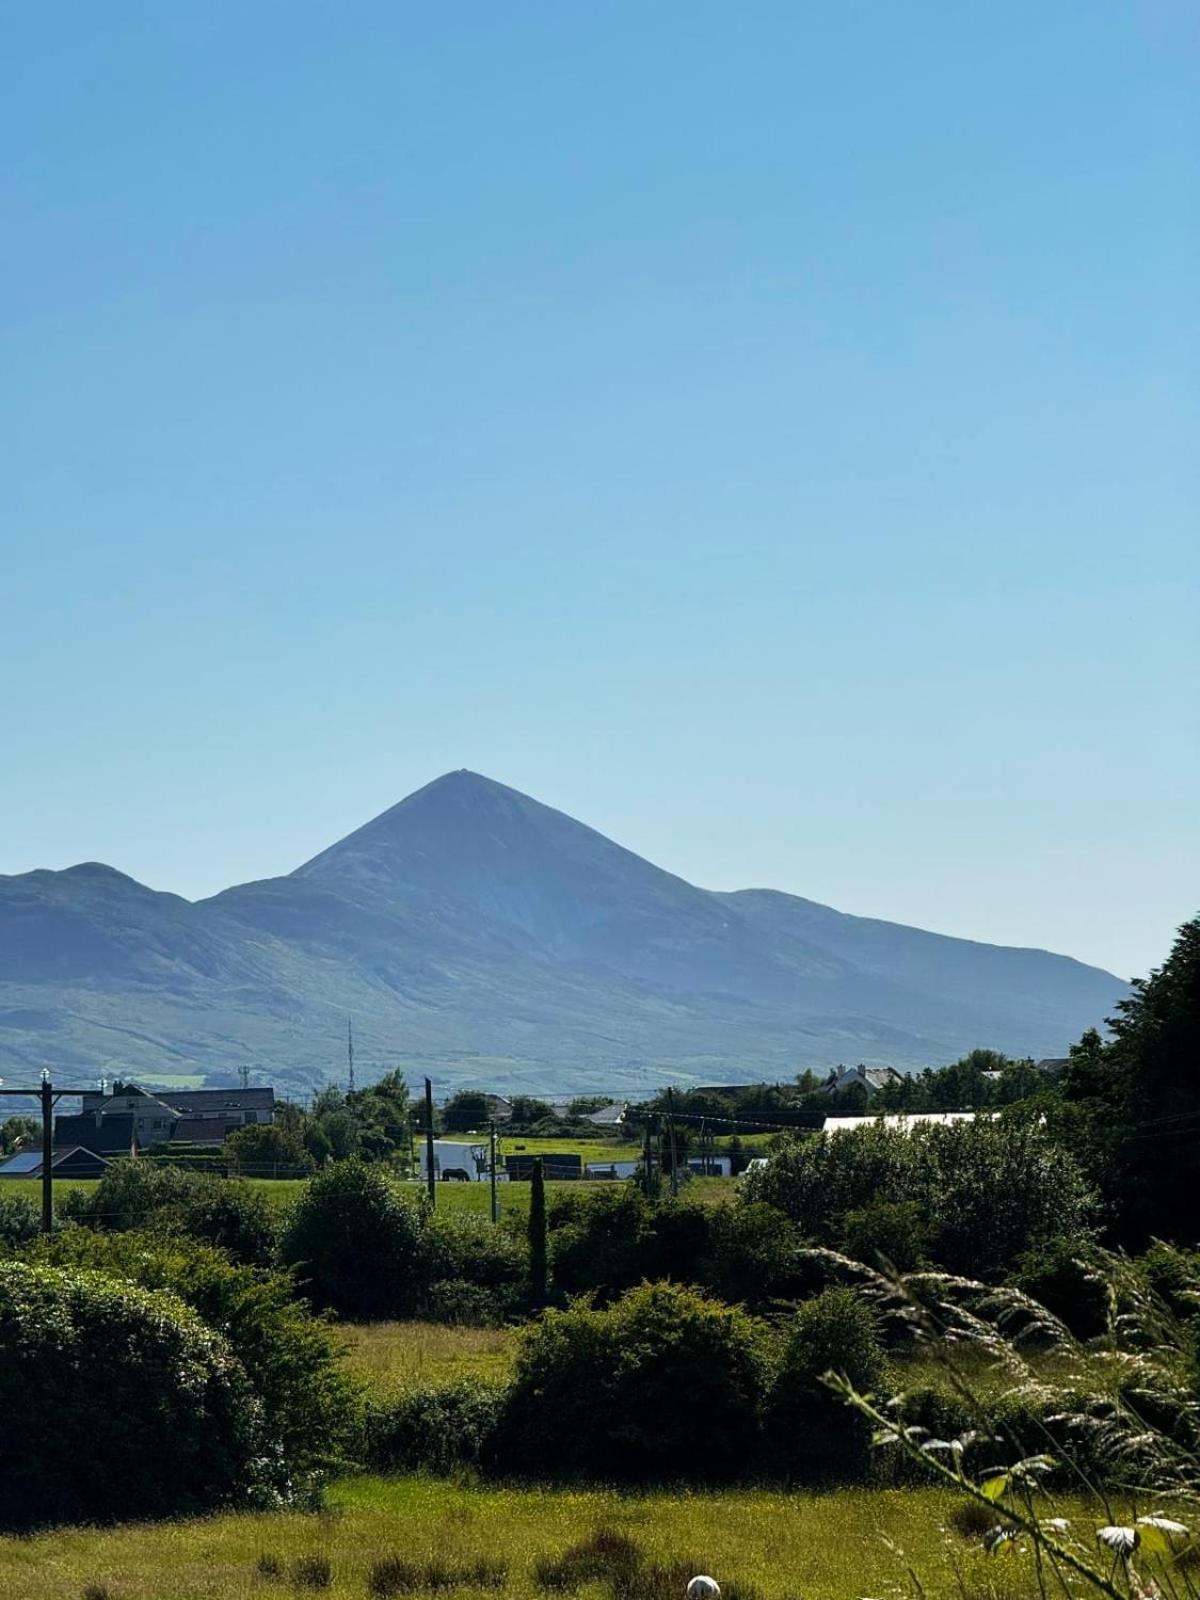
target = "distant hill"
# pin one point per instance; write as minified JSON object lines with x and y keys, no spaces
{"x":482,"y":937}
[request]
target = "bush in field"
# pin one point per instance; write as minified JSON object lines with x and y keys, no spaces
{"x":290,"y":1358}
{"x":131,"y":1193}
{"x":232,"y":1215}
{"x":991,"y":1189}
{"x":752,"y":1256}
{"x":895,"y":1232}
{"x":1060,"y":1276}
{"x":813,"y":1437}
{"x":214,"y":1210}
{"x":269,"y":1150}
{"x":598,"y":1241}
{"x":678,"y":1241}
{"x":610,"y":1240}
{"x":20,"y":1220}
{"x":433,"y":1429}
{"x":470,"y":1250}
{"x":460,"y":1304}
{"x":357,"y":1244}
{"x":662,"y":1384}
{"x":151,"y":1412}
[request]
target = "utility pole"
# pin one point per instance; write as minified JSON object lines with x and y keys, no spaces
{"x":350,"y":1052}
{"x":47,"y":1153}
{"x":647,"y":1160}
{"x":492,"y":1172}
{"x":430,"y":1174}
{"x":671,"y":1143}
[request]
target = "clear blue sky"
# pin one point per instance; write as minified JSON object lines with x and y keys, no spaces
{"x":766,"y":431}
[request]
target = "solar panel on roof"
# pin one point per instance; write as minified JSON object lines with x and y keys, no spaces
{"x":23,"y":1161}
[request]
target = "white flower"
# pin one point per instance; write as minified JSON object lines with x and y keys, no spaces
{"x":1122,"y":1541}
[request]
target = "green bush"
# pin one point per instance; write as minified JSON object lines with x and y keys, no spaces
{"x":813,"y":1436}
{"x":290,"y":1359}
{"x":131,"y":1193}
{"x":20,"y":1219}
{"x":470,"y":1250}
{"x":460,"y":1304}
{"x":1173,"y":1276}
{"x":991,"y":1189}
{"x":357,"y":1244}
{"x":145,"y":1194}
{"x":232,"y":1215}
{"x":891,"y":1232}
{"x":1060,"y":1276}
{"x":433,"y":1429}
{"x":599,"y":1241}
{"x":663,"y":1384}
{"x":151,"y":1414}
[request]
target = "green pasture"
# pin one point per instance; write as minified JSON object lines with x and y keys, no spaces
{"x":771,"y":1545}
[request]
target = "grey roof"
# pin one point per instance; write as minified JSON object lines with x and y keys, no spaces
{"x":194,"y":1102}
{"x":111,"y":1136}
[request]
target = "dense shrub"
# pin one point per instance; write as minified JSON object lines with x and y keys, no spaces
{"x":1173,"y":1276}
{"x":813,"y":1437}
{"x":469,"y":1249}
{"x":20,"y":1219}
{"x":232,"y":1215}
{"x":991,"y":1189}
{"x":150,"y":1411}
{"x":215,"y":1210}
{"x":290,"y":1359}
{"x":608,"y":1241}
{"x":433,"y":1429}
{"x":1060,"y":1276}
{"x":460,"y":1304}
{"x":598,"y":1241}
{"x":889,"y":1232}
{"x":753,"y":1256}
{"x":662,"y":1384}
{"x":131,"y":1193}
{"x":357,"y":1244}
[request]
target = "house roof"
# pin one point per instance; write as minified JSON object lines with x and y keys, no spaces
{"x":205,"y":1130}
{"x":196,"y":1102}
{"x":108,"y":1136}
{"x":28,"y":1163}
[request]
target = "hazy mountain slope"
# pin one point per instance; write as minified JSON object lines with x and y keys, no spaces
{"x":479,"y":935}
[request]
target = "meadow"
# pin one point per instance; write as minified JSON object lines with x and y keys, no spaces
{"x":472,"y":1199}
{"x":762,"y":1545}
{"x":400,"y":1355}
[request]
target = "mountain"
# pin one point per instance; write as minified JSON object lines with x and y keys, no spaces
{"x":480,"y":937}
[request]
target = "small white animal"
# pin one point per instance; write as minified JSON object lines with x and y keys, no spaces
{"x":704,"y":1588}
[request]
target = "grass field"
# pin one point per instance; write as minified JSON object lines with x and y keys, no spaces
{"x":472,"y":1198}
{"x":822,"y":1547}
{"x":400,"y":1355}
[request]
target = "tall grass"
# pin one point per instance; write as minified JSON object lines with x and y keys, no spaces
{"x":378,"y":1535}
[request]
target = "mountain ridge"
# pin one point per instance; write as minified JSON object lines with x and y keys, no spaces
{"x":472,"y":929}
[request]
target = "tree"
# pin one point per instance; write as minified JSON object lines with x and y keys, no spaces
{"x":358,"y":1245}
{"x":268,"y":1150}
{"x":526,"y":1111}
{"x":538,"y":1257}
{"x":19,"y":1132}
{"x":1139,"y":1096}
{"x":989,"y":1189}
{"x":466,"y":1111}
